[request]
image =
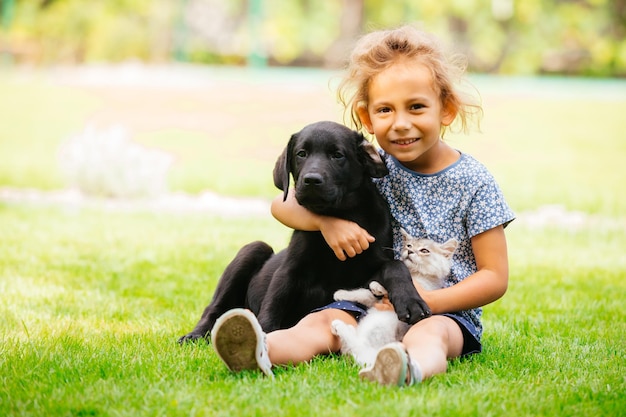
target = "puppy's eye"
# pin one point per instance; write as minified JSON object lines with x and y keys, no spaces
{"x":337,"y":155}
{"x":301,"y":154}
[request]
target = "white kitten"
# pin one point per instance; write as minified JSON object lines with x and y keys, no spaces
{"x":429,"y":263}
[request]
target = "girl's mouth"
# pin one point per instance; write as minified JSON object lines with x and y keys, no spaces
{"x":405,"y":141}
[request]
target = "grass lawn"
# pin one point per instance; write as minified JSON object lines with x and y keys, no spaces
{"x":92,"y":301}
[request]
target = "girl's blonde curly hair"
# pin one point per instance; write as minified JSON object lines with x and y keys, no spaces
{"x":378,"y":50}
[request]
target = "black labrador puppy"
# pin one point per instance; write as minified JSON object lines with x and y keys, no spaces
{"x":332,"y":167}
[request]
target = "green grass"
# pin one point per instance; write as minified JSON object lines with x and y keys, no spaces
{"x":93,"y":301}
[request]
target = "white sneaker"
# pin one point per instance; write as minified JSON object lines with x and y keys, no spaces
{"x":391,"y":367}
{"x":239,"y":342}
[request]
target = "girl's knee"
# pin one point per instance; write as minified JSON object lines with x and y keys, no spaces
{"x":436,"y":331}
{"x":314,"y":332}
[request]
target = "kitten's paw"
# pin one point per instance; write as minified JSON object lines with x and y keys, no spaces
{"x":341,"y":295}
{"x":335,"y":327}
{"x":377,"y":289}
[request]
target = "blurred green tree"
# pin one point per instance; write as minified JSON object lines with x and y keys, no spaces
{"x":583,"y":37}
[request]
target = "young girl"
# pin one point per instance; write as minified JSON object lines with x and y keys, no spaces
{"x":400,"y":88}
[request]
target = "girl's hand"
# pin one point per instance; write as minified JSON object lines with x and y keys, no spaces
{"x":384,"y":305}
{"x":345,"y":237}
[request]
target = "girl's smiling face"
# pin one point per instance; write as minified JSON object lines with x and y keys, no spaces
{"x":405,"y":114}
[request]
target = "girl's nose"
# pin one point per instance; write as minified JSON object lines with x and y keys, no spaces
{"x":401,"y":121}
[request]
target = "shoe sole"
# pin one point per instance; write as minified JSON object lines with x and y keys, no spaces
{"x":236,"y":341}
{"x":389,"y":368}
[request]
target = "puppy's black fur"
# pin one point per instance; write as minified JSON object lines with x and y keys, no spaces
{"x":332,"y":167}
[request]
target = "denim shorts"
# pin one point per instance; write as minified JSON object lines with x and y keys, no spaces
{"x":471,"y":342}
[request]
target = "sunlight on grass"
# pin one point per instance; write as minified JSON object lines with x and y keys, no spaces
{"x":554,"y":151}
{"x":545,"y":146}
{"x":202,"y":162}
{"x":94,"y":302}
{"x":36,"y":117}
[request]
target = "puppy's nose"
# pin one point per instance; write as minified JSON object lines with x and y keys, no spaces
{"x":313,"y":179}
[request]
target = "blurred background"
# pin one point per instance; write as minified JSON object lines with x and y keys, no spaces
{"x":575,"y":37}
{"x":141,"y":98}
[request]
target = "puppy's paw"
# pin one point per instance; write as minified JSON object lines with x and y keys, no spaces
{"x":410,"y":308}
{"x":413,"y":311}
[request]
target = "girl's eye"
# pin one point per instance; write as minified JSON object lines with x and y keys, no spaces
{"x":301,"y":154}
{"x":383,"y":110}
{"x":417,"y":106}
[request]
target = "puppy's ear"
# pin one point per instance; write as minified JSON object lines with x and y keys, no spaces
{"x":282,"y":169}
{"x":374,"y":165}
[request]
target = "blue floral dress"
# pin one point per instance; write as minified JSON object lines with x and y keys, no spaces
{"x":458,"y":202}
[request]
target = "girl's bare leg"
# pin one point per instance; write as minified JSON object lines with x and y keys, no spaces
{"x":433,"y":341}
{"x":311,"y":336}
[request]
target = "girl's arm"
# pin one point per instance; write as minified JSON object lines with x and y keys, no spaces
{"x":486,"y":285}
{"x":343,"y":236}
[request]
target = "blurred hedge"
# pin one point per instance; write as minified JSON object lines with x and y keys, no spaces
{"x":582,"y":37}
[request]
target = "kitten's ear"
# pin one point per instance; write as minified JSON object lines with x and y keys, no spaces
{"x":405,"y":234}
{"x":449,"y":246}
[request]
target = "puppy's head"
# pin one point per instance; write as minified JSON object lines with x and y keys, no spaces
{"x":328,"y":161}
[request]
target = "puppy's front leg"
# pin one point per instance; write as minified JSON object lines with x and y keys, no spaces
{"x":409,"y":305}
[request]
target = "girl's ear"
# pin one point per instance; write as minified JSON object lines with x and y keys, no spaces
{"x":448,"y":113}
{"x":364,"y":117}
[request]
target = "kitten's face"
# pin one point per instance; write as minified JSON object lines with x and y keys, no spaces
{"x":427,"y":258}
